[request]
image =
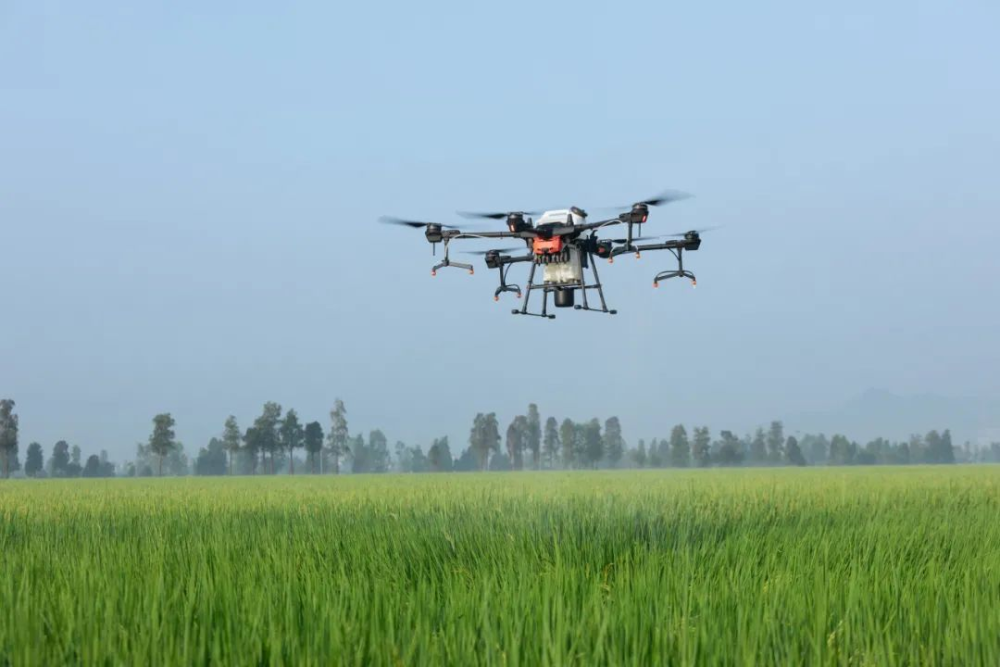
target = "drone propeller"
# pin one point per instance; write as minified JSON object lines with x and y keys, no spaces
{"x":500,"y":251}
{"x":416,"y":224}
{"x":496,"y":216}
{"x":697,"y":232}
{"x":634,"y":239}
{"x":664,"y":197}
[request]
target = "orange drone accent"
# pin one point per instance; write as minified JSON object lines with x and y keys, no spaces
{"x":550,"y":246}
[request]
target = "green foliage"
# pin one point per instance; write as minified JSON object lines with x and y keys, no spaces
{"x":439,"y":456}
{"x":680,"y":448}
{"x":34,"y":462}
{"x":614,"y":444}
{"x":338,"y":435}
{"x":8,"y":435}
{"x":291,"y":436}
{"x":567,"y":443}
{"x":550,"y":446}
{"x":212,"y":460}
{"x":231,"y":440}
{"x":161,"y":440}
{"x":533,"y":436}
{"x":59,"y":461}
{"x":313,"y":443}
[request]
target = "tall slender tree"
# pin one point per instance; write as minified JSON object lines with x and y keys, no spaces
{"x":701,"y":449}
{"x":593,"y":442}
{"x":516,"y":439}
{"x":793,"y":452}
{"x":550,"y":445}
{"x":776,"y":442}
{"x":291,"y":435}
{"x":680,"y":448}
{"x":8,"y":434}
{"x":567,"y":441}
{"x":266,"y":428}
{"x":231,"y":440}
{"x":338,"y":435}
{"x":614,"y":444}
{"x":161,"y":440}
{"x":313,"y":442}
{"x":758,"y":447}
{"x":533,"y":436}
{"x":59,"y":461}
{"x":35,"y":461}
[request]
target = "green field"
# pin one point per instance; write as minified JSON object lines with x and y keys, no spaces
{"x":786,"y":566}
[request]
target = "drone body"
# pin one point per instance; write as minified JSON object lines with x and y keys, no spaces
{"x":563,"y":247}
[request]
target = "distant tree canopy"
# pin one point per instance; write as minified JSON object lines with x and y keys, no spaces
{"x":529,"y":441}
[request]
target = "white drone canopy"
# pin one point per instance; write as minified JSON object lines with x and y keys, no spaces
{"x":563,"y":216}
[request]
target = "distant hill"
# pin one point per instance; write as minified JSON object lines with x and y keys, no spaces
{"x":881,"y":413}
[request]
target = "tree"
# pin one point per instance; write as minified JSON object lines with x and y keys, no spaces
{"x":592,"y":444}
{"x":639,"y":455}
{"x":729,"y":449}
{"x":793,"y":453}
{"x":550,"y":445}
{"x":213,"y":459}
{"x":939,"y":447}
{"x":8,"y":434}
{"x":680,"y":448}
{"x":439,"y":455}
{"x":251,"y":445}
{"x":658,"y":453}
{"x":567,"y":441}
{"x":614,"y":444}
{"x":231,"y":439}
{"x":517,"y":435}
{"x":177,"y":463}
{"x":775,"y":442}
{"x":34,"y":462}
{"x":842,"y":451}
{"x":60,"y":459}
{"x":484,"y":438}
{"x":533,"y":435}
{"x":161,"y":440}
{"x":758,"y":447}
{"x":313,"y":442}
{"x":266,"y":430}
{"x":92,"y":468}
{"x":378,"y":447}
{"x":701,"y":450}
{"x":338,"y":435}
{"x":291,"y":435}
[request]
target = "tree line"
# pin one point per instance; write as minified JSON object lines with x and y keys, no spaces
{"x":277,"y":441}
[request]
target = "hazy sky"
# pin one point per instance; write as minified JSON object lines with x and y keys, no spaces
{"x":189,"y":194}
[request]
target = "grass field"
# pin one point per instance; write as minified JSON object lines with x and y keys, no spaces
{"x":828,"y":566}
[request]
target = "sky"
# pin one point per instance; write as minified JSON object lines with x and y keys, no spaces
{"x":189,"y":195}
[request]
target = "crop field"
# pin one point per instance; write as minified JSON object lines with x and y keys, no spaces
{"x":750,"y":567}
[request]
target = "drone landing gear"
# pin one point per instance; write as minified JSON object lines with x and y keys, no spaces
{"x":561,"y":297}
{"x":504,"y":287}
{"x":446,"y":262}
{"x":679,"y":272}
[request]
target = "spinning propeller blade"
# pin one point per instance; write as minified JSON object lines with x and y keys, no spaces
{"x":501,"y":251}
{"x":416,"y":224}
{"x":695,"y":231}
{"x":496,"y":216}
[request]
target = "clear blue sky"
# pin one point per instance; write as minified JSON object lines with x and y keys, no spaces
{"x":189,"y":190}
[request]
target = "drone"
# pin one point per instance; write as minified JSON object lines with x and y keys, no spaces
{"x":563,"y":247}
